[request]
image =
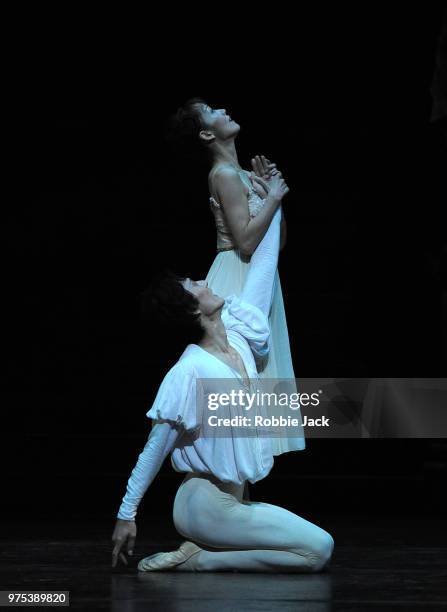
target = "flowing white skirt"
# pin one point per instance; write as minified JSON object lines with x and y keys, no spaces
{"x":227,"y":276}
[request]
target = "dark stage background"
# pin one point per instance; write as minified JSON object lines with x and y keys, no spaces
{"x":346,"y":113}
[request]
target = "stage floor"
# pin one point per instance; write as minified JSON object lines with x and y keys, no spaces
{"x":378,"y":563}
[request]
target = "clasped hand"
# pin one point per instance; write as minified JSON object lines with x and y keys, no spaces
{"x":266,"y":178}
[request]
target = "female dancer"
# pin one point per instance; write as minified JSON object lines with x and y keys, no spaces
{"x":224,"y":532}
{"x":243,"y":212}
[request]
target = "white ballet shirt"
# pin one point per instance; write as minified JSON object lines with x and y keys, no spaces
{"x":177,"y":422}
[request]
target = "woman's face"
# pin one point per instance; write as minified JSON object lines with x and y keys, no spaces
{"x":217,"y":122}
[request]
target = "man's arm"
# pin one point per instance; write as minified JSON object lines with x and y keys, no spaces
{"x":160,"y":442}
{"x":283,"y":231}
{"x":259,"y":285}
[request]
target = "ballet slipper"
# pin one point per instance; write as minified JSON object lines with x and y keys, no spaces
{"x":167,"y":560}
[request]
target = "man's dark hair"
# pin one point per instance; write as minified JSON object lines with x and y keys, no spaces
{"x":165,"y":302}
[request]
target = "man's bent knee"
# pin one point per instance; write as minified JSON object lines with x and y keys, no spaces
{"x":321,"y":554}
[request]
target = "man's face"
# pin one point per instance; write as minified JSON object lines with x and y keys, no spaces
{"x":209,"y":302}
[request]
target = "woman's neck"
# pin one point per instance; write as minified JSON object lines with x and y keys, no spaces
{"x":225,"y":153}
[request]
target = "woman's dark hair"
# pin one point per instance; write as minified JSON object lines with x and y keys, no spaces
{"x":165,"y":302}
{"x":182,"y":132}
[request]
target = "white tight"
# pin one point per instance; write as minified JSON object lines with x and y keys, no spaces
{"x":237,"y":535}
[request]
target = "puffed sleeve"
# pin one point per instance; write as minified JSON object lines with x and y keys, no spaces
{"x":249,"y":321}
{"x":175,"y":402}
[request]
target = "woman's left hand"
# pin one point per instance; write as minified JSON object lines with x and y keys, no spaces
{"x":265,"y":169}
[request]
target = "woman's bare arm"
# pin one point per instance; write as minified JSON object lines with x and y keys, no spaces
{"x":265,"y":169}
{"x":247,"y":233}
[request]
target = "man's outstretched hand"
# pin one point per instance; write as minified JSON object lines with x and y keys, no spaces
{"x":124,"y":531}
